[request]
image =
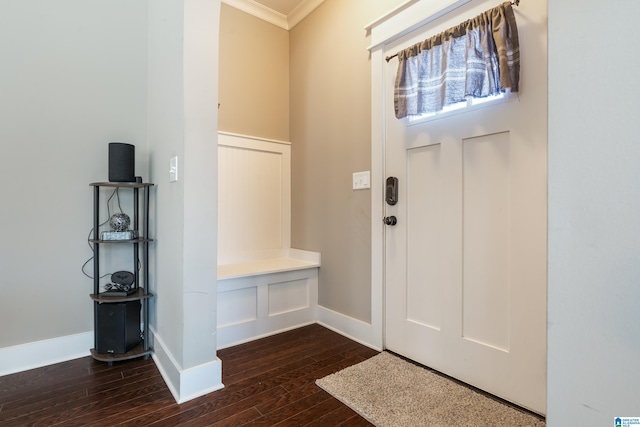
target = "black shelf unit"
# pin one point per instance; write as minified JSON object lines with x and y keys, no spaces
{"x":140,"y":245}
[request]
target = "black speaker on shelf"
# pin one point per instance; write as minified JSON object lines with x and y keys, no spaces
{"x":118,"y":327}
{"x":122,"y":162}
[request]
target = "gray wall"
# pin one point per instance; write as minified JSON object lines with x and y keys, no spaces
{"x":594,"y":220}
{"x":166,"y":130}
{"x":76,"y":75}
{"x":183,"y":90}
{"x":73,"y":78}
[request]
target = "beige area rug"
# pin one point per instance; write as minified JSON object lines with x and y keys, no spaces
{"x":391,"y":392}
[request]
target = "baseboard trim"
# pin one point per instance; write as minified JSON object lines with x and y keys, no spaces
{"x":265,"y":335}
{"x":37,"y":354}
{"x":185,"y":384}
{"x":354,"y":329}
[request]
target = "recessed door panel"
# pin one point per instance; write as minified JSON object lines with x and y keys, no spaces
{"x":424,"y":217}
{"x":486,"y":236}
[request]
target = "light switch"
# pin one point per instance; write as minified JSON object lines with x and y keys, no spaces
{"x":361,"y":180}
{"x":173,"y":169}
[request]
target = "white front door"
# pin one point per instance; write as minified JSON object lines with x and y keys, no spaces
{"x":465,"y":265}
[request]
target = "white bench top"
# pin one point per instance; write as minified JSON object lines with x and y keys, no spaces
{"x":265,"y":266}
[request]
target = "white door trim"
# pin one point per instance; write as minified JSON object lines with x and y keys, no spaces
{"x":395,"y":24}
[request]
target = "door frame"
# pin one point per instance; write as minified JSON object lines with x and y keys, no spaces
{"x":386,"y":29}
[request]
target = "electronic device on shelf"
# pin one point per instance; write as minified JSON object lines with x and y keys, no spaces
{"x":121,"y":285}
{"x":122,"y":162}
{"x":119,"y":235}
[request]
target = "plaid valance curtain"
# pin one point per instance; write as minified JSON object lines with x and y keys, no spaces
{"x":477,"y":58}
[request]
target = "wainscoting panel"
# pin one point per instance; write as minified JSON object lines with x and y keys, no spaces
{"x":281,"y":301}
{"x":237,"y":306}
{"x":254,"y":197}
{"x":286,"y":297}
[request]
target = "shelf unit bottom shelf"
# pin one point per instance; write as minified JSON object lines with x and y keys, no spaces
{"x":137,"y":351}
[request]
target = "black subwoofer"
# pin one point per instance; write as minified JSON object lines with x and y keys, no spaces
{"x":122,"y":162}
{"x":118,"y":327}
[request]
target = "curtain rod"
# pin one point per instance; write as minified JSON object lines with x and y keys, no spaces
{"x":513,"y":3}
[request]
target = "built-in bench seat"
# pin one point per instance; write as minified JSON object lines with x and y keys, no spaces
{"x":264,"y":297}
{"x":264,"y":286}
{"x":265,"y":266}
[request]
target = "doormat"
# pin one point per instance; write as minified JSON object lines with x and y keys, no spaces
{"x":391,"y":392}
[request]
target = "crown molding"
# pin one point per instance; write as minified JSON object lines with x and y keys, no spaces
{"x":259,"y":11}
{"x":286,"y":22}
{"x":301,"y":11}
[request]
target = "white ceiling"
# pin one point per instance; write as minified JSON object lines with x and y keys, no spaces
{"x":283,"y":13}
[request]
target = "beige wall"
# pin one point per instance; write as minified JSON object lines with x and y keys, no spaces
{"x":253,"y":76}
{"x":324,"y":65}
{"x":331,"y":137}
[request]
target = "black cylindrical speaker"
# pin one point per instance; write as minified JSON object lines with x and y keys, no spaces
{"x":122,"y":162}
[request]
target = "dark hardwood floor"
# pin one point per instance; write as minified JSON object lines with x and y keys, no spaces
{"x":268,"y":382}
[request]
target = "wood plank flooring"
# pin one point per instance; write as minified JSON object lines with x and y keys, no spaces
{"x":268,"y":382}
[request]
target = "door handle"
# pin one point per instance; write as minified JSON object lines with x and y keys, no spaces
{"x":390,"y":220}
{"x":391,"y":191}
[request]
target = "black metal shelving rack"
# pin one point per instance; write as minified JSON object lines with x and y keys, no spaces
{"x":141,"y":276}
